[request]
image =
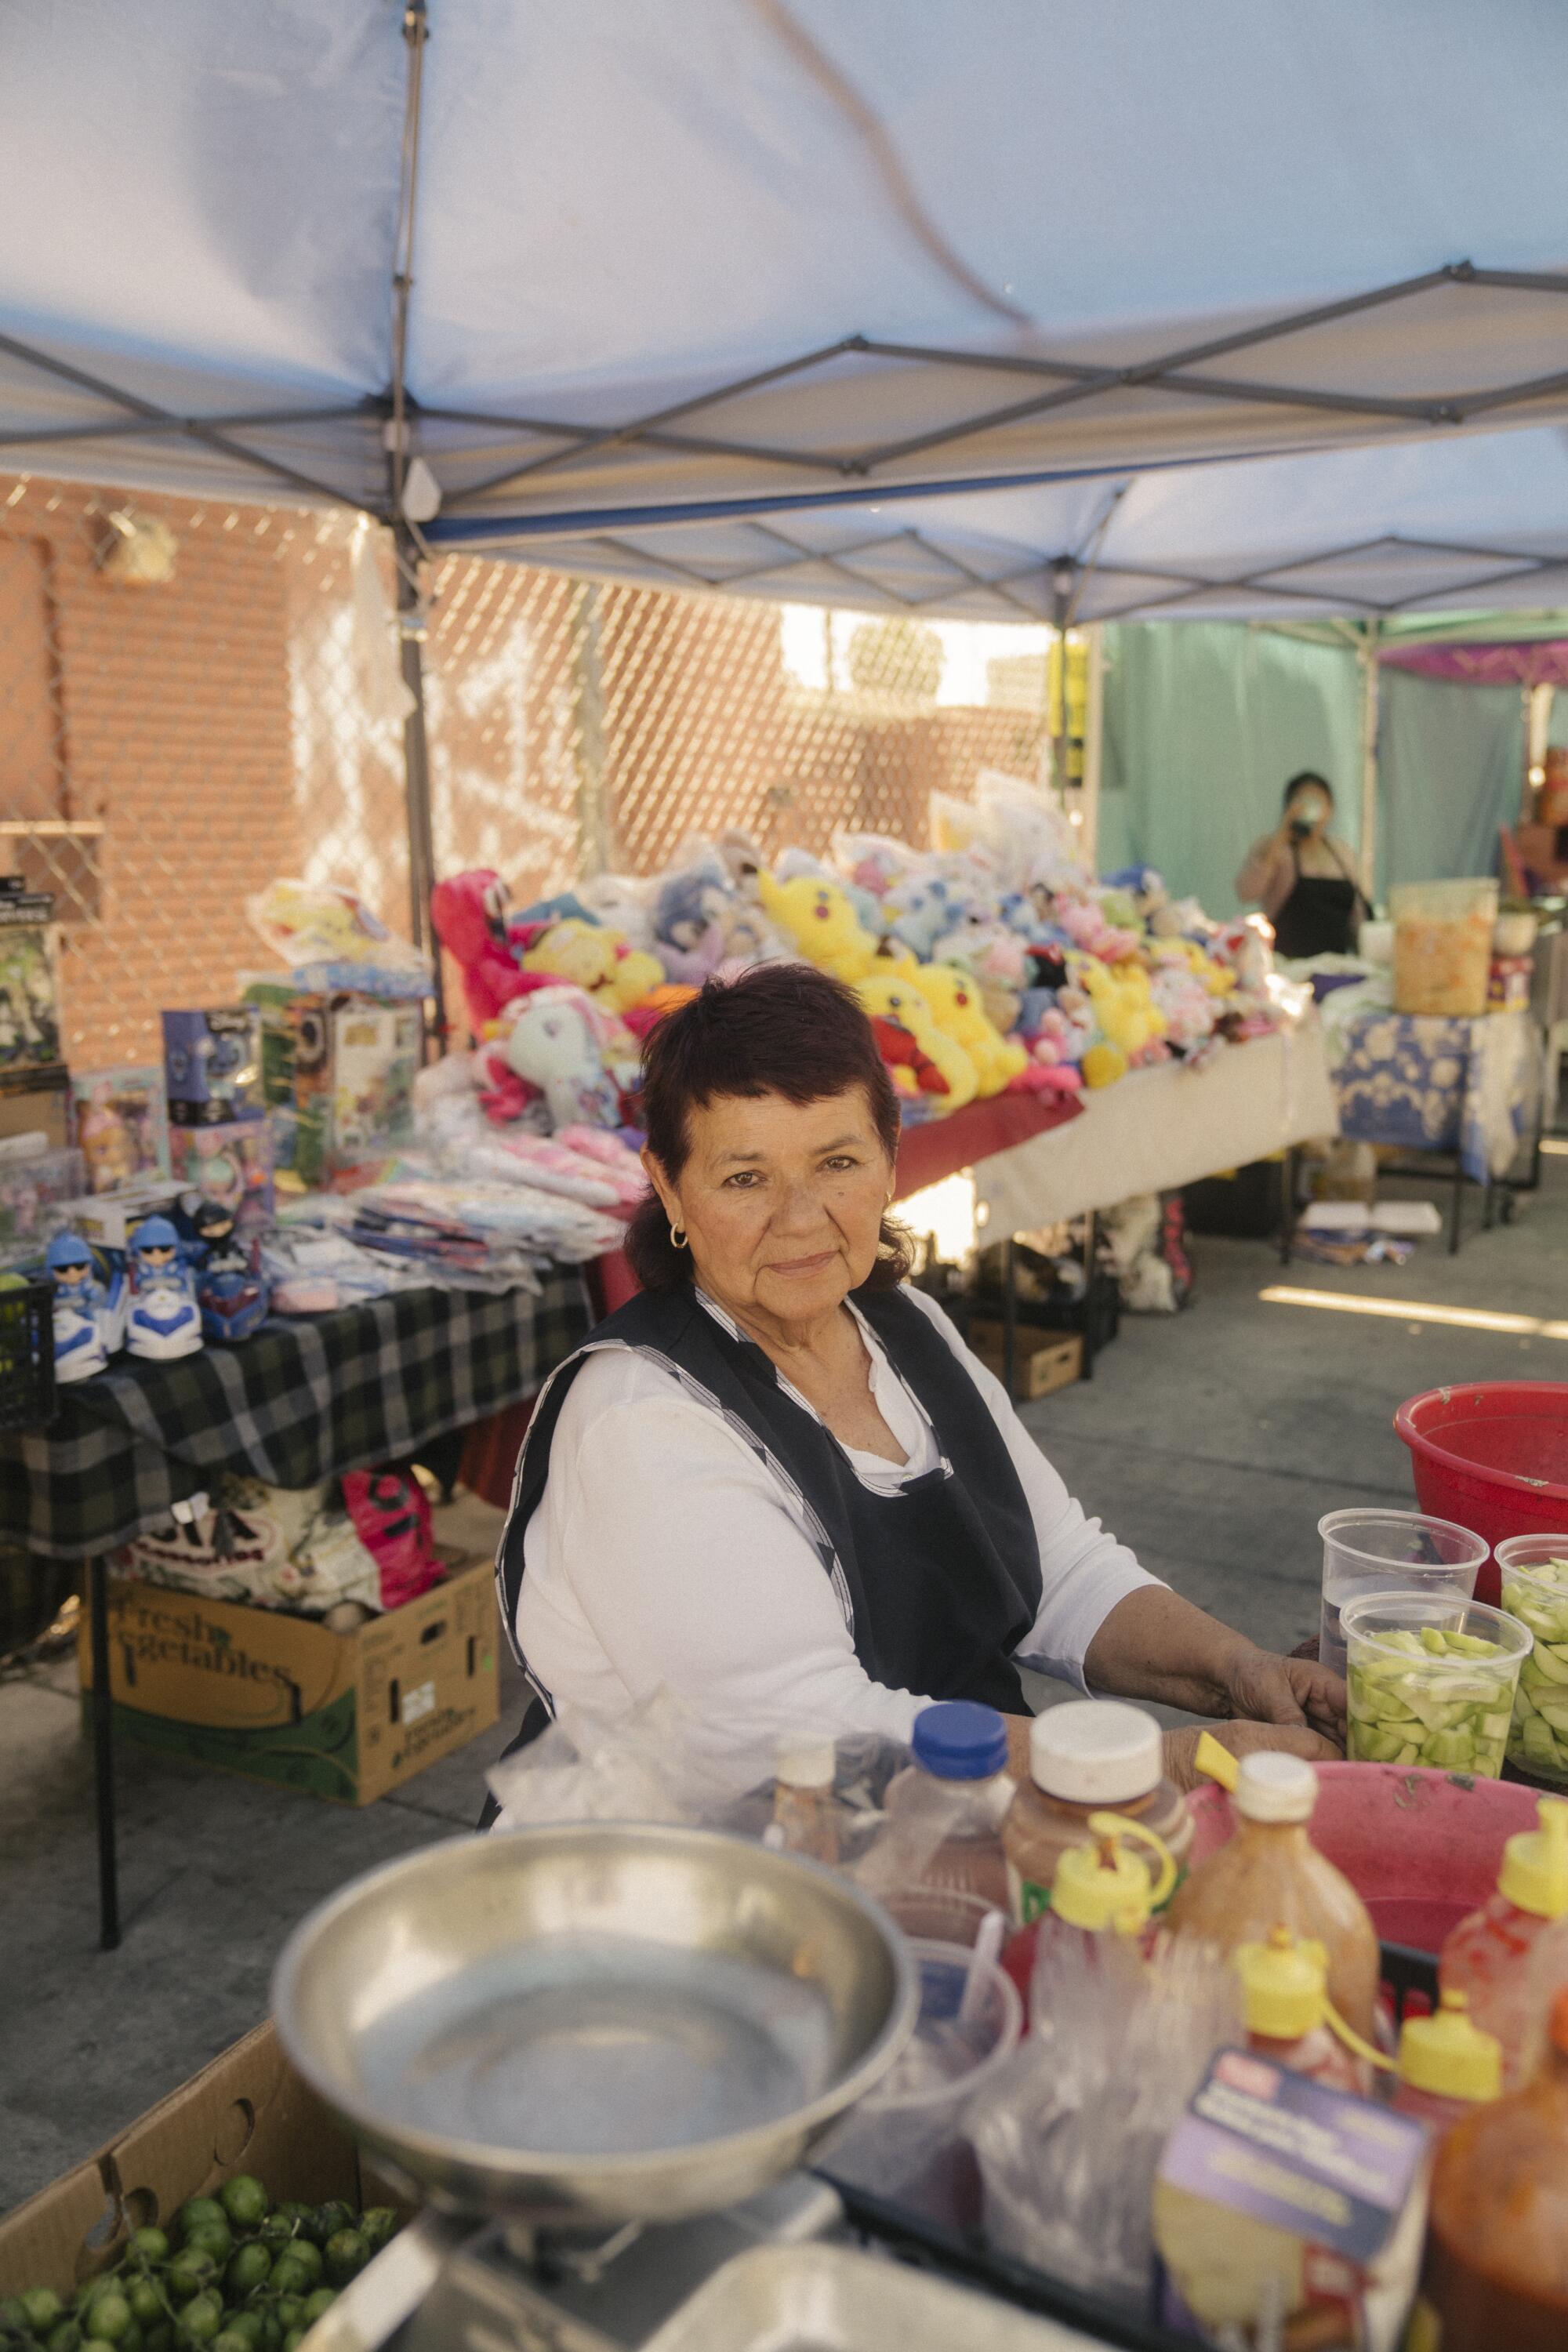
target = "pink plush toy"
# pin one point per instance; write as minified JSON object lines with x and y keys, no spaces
{"x":469,"y":911}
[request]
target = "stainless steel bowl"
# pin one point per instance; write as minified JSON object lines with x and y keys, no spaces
{"x":599,"y":2023}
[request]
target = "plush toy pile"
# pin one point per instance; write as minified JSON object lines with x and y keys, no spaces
{"x":992,"y":963}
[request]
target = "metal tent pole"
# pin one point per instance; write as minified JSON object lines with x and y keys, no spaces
{"x":1093,"y":746}
{"x":1367,"y":655}
{"x":416,"y":761}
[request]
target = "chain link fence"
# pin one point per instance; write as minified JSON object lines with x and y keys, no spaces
{"x":194,"y":699}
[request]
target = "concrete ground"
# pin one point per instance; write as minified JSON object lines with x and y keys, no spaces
{"x":1211,"y":1442}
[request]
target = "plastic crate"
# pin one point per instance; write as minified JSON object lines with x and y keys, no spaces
{"x":26,"y":1354}
{"x":1410,"y":1977}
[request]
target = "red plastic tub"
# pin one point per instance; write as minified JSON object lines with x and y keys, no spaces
{"x":1421,"y":1849}
{"x":1492,"y":1455}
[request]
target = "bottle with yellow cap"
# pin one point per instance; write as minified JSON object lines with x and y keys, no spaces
{"x":1269,"y":1874}
{"x":1102,"y":1897}
{"x":1289,"y":2018}
{"x":1448,"y":2066}
{"x":1488,"y":1957}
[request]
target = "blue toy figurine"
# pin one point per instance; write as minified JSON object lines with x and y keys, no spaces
{"x":164,"y":1320}
{"x":231,"y":1289}
{"x":81,"y":1318}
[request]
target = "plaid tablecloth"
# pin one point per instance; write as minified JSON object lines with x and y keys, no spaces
{"x":303,"y":1398}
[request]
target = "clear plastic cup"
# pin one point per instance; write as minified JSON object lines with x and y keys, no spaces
{"x":1418,"y":1700}
{"x":1534,"y":1573}
{"x":906,"y":2141}
{"x":1390,"y":1551}
{"x":940,"y":1915}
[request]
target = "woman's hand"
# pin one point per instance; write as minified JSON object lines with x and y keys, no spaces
{"x":1268,"y":1689}
{"x":1244,"y":1739}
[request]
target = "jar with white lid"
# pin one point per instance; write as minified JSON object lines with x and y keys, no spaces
{"x":1088,"y":1756}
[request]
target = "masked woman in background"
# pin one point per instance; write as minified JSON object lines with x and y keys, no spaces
{"x":1303,"y":878}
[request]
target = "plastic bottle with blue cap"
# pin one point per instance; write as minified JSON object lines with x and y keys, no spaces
{"x":959,"y":1775}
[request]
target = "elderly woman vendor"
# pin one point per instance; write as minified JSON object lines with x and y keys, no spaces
{"x":779,"y":1485}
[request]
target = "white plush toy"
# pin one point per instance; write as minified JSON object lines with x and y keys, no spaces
{"x":555,"y":1043}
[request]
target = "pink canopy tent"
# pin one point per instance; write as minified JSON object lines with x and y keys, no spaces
{"x":1528,"y":663}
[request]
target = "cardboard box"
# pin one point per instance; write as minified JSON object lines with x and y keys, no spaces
{"x":1041,"y":1365}
{"x":35,"y":1101}
{"x":278,"y":1699}
{"x":248,"y":2110}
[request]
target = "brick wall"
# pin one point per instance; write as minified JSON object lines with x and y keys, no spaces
{"x":242,"y":720}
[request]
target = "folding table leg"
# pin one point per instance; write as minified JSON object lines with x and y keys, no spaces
{"x":1090,"y":1230}
{"x":1456,"y":1212}
{"x":103,"y":1755}
{"x":1010,"y":1318}
{"x":1287,"y":1206}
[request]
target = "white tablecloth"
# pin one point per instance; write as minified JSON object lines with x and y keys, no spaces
{"x":1163,"y":1127}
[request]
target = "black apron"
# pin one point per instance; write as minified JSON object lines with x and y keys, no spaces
{"x":1318,"y":916}
{"x":939,"y":1582}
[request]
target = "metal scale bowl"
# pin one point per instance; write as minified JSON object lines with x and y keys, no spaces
{"x":598,"y":2054}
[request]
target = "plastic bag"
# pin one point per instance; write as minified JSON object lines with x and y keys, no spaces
{"x":1069,"y":2141}
{"x":1023,"y":833}
{"x":268,"y":1547}
{"x":328,"y":938}
{"x":643,"y":1767}
{"x":391,"y":1512}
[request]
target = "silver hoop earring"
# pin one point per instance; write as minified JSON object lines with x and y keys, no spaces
{"x":678,"y":1237}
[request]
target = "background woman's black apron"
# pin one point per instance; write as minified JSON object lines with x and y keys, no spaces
{"x":1318,"y":917}
{"x":938,"y":1581}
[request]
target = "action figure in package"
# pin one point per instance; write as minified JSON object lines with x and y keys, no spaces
{"x":163,"y":1321}
{"x":29,"y":1008}
{"x":122,"y":1125}
{"x":211,"y":1066}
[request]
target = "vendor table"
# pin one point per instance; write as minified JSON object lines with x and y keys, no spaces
{"x":1420,"y":1083}
{"x":304,"y":1399}
{"x":1165,"y":1127}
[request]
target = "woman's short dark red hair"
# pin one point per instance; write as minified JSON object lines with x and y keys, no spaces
{"x":778,"y":1029}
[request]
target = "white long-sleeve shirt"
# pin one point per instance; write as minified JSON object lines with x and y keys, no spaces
{"x":663,"y":1552}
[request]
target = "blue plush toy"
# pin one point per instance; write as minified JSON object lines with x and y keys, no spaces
{"x":163,"y":1321}
{"x":918,"y":911}
{"x":688,"y":922}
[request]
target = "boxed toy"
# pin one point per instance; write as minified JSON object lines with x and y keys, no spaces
{"x":29,"y":990}
{"x":122,"y":1125}
{"x":107,"y":1219}
{"x":211,"y":1066}
{"x":1286,"y":2212}
{"x":34,"y":1182}
{"x":230,"y":1164}
{"x":337,"y":1075}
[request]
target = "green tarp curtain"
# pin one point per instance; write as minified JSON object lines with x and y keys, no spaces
{"x":1450,"y":766}
{"x":1205,"y":720}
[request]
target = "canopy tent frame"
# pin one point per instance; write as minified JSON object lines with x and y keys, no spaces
{"x":1075,"y":382}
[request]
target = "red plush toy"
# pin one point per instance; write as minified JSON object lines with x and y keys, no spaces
{"x":469,"y":915}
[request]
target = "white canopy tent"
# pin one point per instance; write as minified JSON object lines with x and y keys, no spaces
{"x":997,"y":308}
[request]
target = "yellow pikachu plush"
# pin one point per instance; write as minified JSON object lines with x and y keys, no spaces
{"x":817,"y":918}
{"x":1123,"y":1003}
{"x":615,"y":976}
{"x":893,"y":996}
{"x":955,"y":1001}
